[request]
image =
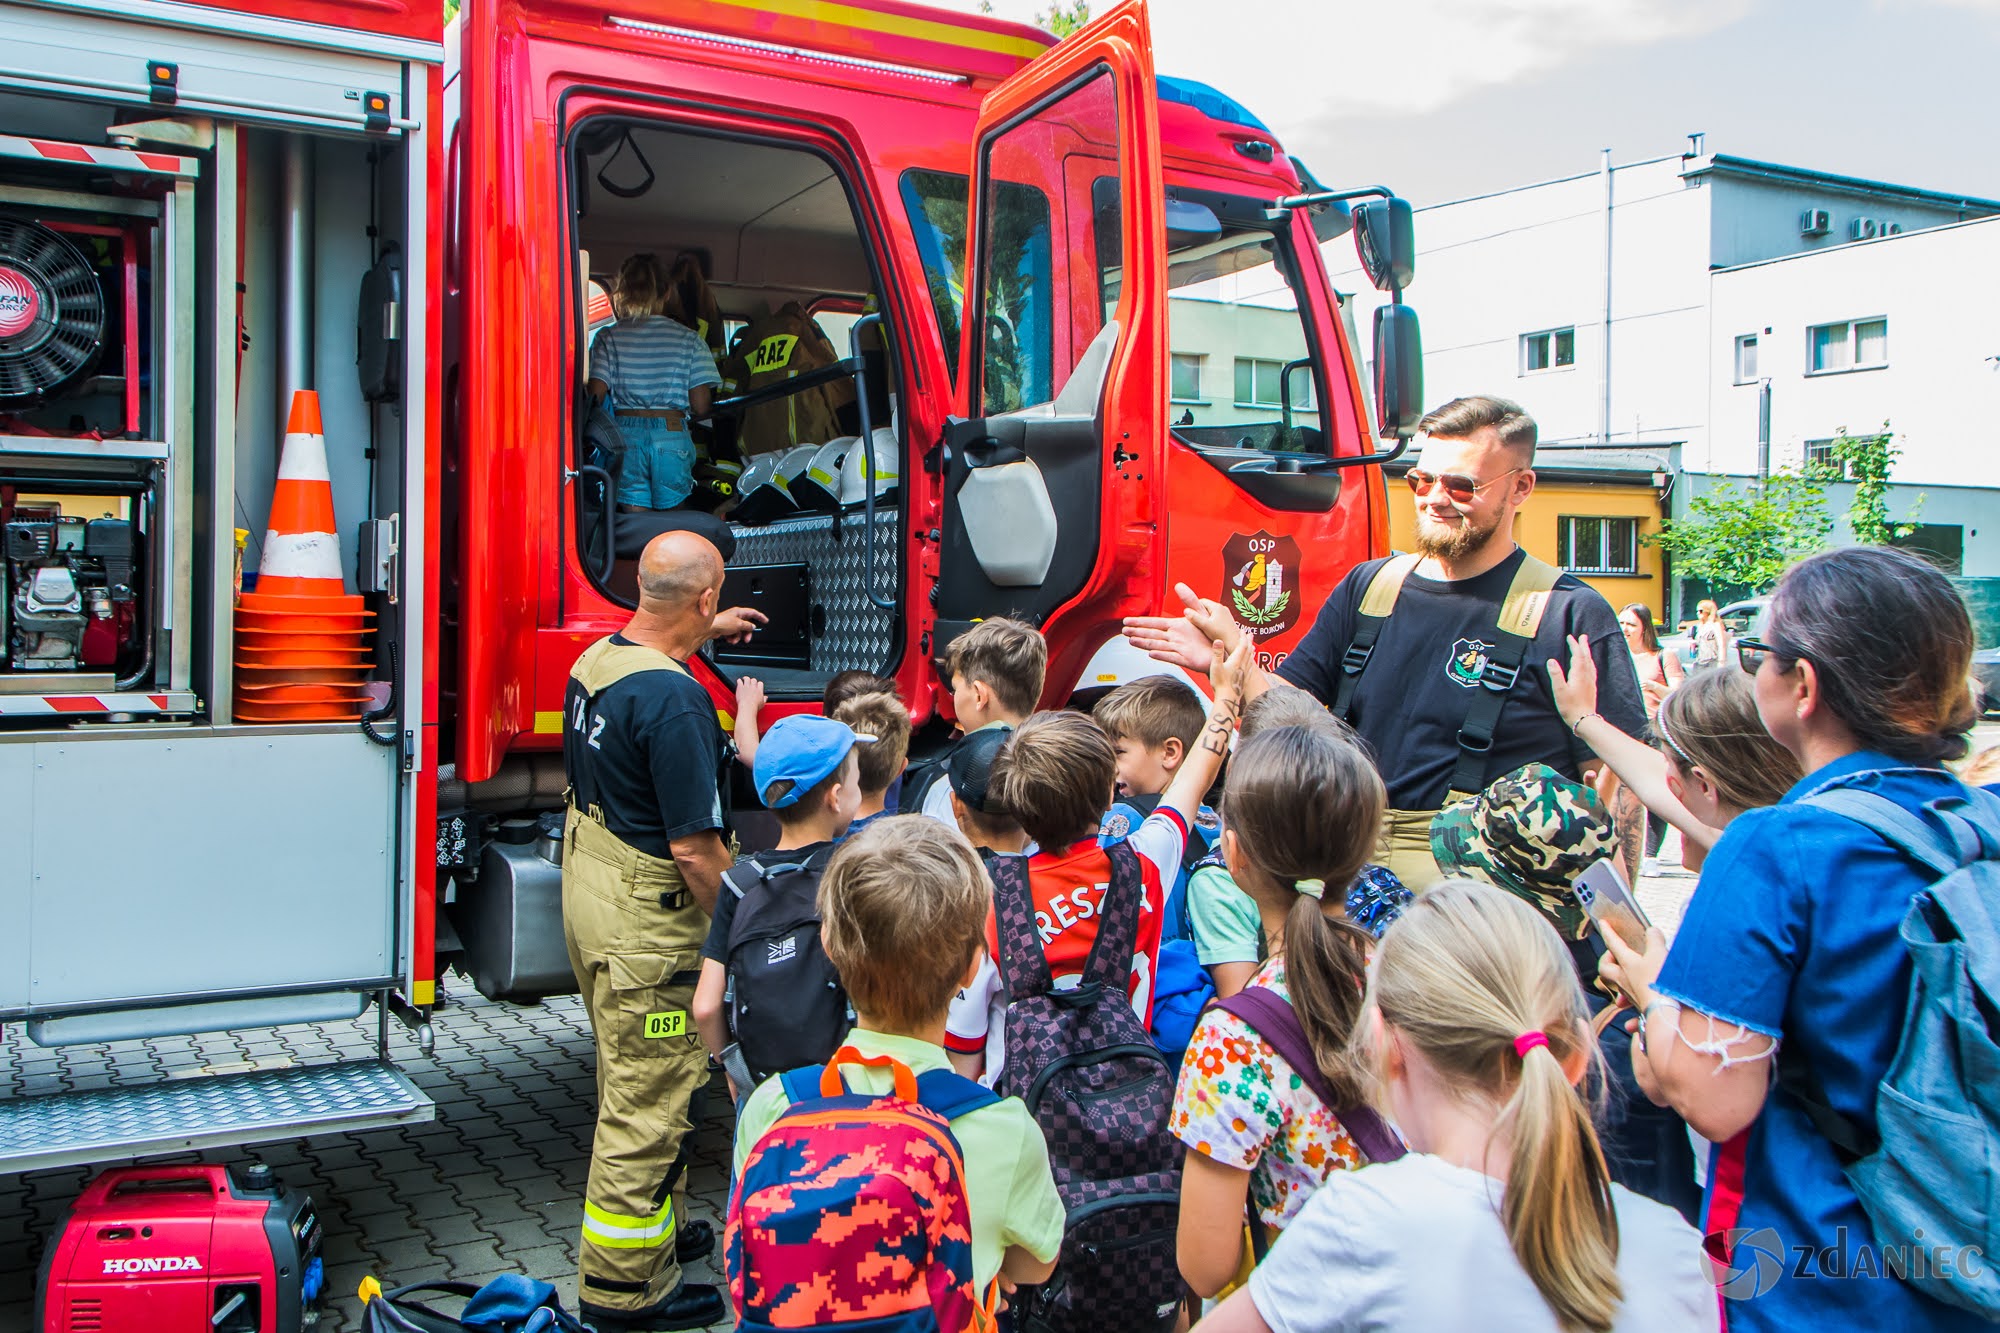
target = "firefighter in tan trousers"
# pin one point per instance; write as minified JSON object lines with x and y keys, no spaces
{"x":645,"y":848}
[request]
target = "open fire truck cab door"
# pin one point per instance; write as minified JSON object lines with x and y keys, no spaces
{"x":1062,"y":383}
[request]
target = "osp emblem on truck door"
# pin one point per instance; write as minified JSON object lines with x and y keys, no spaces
{"x":1260,"y":576}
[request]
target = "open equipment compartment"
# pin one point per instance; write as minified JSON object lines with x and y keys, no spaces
{"x":97,"y":521}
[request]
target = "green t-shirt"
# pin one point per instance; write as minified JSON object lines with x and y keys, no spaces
{"x":1008,"y":1185}
{"x":1227,"y":928}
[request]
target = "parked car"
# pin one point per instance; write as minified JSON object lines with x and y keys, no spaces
{"x":1986,"y":672}
{"x":1740,"y":618}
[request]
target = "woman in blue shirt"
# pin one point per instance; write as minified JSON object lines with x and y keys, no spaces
{"x":658,"y":374}
{"x":1792,"y":939}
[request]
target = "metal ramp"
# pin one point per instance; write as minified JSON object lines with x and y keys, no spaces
{"x":79,"y":1128}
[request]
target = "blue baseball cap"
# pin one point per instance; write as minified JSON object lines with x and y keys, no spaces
{"x":804,"y":750}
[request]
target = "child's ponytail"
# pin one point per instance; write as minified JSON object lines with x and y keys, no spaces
{"x":1558,"y":1211}
{"x":1482,"y":988}
{"x":1325,"y":963}
{"x":1305,"y":805}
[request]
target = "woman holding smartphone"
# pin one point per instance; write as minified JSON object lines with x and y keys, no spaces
{"x":1793,"y":938}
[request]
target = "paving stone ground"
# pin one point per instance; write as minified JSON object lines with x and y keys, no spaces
{"x":492,"y":1185}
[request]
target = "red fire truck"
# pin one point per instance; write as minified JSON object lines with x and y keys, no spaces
{"x":1084,"y":348}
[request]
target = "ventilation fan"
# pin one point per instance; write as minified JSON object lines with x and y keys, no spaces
{"x":51,"y":312}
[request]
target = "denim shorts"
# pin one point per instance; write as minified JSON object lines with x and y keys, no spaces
{"x":659,"y":463}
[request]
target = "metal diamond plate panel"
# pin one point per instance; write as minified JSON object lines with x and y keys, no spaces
{"x":859,"y":635}
{"x":65,"y":1129}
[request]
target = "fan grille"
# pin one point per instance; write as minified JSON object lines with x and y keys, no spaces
{"x":51,"y":312}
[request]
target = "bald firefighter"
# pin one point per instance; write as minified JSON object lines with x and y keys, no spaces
{"x":645,"y":848}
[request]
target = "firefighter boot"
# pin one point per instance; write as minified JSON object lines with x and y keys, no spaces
{"x":634,"y":937}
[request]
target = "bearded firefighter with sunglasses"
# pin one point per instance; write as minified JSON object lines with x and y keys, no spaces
{"x":1475,"y":619}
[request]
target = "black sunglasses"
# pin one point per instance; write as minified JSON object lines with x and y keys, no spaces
{"x":1752,"y":652}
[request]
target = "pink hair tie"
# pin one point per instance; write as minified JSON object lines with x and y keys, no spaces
{"x":1528,"y":1041}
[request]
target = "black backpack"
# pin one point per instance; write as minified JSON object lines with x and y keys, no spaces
{"x":784,"y":1002}
{"x":1082,"y":1062}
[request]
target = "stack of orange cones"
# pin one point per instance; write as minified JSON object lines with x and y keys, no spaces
{"x":301,"y":637}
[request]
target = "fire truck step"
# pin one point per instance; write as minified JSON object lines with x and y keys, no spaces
{"x":179,"y":1115}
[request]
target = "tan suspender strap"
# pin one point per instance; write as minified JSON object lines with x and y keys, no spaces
{"x":1527,"y":597}
{"x":605,"y":663}
{"x":1387,"y":585}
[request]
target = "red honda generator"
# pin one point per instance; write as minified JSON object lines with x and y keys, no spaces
{"x":183,"y":1249}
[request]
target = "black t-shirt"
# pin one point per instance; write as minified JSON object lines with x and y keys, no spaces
{"x":1419,"y":684}
{"x":716,"y":946}
{"x":650,"y":754}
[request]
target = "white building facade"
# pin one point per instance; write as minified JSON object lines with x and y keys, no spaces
{"x":1643,"y":306}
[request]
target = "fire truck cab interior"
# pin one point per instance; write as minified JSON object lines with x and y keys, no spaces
{"x":773,"y":229}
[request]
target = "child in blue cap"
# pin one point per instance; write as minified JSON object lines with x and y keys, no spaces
{"x":768,"y":999}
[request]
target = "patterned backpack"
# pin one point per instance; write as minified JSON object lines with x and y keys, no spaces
{"x":850,"y":1211}
{"x":1101,"y":1091}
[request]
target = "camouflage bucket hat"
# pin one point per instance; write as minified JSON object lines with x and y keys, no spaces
{"x":1531,"y":832}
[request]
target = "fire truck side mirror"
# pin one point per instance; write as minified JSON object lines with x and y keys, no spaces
{"x":1385,"y":238}
{"x":1399,"y":371}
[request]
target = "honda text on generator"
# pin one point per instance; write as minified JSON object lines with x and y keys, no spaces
{"x":1008,"y":327}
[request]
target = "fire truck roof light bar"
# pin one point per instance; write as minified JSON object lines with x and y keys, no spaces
{"x":790,"y":52}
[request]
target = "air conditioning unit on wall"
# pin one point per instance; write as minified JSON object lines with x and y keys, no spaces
{"x":1863,"y":229}
{"x":1815,"y":222}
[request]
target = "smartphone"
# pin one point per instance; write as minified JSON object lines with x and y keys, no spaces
{"x":1609,"y":899}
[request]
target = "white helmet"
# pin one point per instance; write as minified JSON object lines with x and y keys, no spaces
{"x":765,"y":493}
{"x":854,"y":479}
{"x":818,"y":488}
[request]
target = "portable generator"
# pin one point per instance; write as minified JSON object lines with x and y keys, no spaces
{"x":183,"y":1249}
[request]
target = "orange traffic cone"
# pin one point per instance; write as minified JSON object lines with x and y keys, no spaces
{"x":302,"y":545}
{"x":301,"y":653}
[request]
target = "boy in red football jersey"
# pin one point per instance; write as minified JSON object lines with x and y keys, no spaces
{"x":1058,"y":780}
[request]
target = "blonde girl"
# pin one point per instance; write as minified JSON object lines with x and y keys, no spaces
{"x":1503,"y":1214}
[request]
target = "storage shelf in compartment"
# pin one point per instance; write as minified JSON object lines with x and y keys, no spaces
{"x":57,"y":702}
{"x":60,"y":447}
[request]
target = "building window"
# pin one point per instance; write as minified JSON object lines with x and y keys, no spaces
{"x":1187,"y":377}
{"x":1820,"y":461}
{"x":1260,"y":384}
{"x":1551,"y":349}
{"x":1852,"y":345}
{"x":1746,"y":359}
{"x":1598,"y":545}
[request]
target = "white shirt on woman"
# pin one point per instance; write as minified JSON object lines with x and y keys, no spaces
{"x":1419,"y":1244}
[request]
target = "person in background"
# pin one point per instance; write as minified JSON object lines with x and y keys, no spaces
{"x":1711,"y":636}
{"x":1659,"y":671}
{"x":1300,"y":819}
{"x":657,"y":375}
{"x":1793,"y":941}
{"x":883,"y":717}
{"x":1502,"y":1215}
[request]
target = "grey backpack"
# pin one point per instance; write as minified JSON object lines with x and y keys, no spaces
{"x":1927,"y":1171}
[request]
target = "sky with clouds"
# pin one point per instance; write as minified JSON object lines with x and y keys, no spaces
{"x":1440,"y":99}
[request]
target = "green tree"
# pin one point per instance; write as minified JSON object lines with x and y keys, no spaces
{"x":1748,"y":538}
{"x":1064,"y":19}
{"x":1866,"y":460}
